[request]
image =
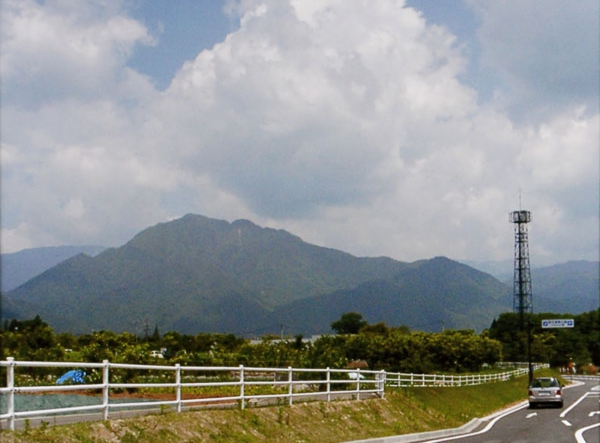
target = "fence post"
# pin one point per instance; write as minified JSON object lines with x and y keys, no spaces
{"x":105,"y":389}
{"x":242,"y":401}
{"x":291,"y":385}
{"x":10,"y":384}
{"x":328,"y":384}
{"x":178,"y":382}
{"x":358,"y":383}
{"x":382,"y":380}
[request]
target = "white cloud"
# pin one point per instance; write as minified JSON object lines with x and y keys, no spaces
{"x":301,"y":112}
{"x":59,"y":50}
{"x":343,"y":122}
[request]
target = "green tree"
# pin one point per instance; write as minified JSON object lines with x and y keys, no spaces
{"x":349,"y":323}
{"x":377,"y":328}
{"x":554,"y":346}
{"x":31,"y":340}
{"x":327,"y":352}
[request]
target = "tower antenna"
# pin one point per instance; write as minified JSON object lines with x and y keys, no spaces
{"x":522,"y":293}
{"x":522,"y":300}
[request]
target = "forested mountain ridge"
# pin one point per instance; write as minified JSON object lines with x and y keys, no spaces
{"x":199,"y":274}
{"x":428,"y":295}
{"x":191,"y":273}
{"x":19,"y":267}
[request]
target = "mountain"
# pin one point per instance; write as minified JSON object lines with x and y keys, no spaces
{"x":190,"y":274}
{"x":501,"y":269}
{"x":571,"y":287}
{"x":199,"y":274}
{"x":18,"y":267}
{"x":426,"y":295}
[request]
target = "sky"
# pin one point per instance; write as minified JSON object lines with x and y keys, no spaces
{"x":408,"y":129}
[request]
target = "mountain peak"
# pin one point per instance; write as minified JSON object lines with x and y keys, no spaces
{"x":200,"y":274}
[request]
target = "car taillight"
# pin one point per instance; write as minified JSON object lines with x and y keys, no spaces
{"x":530,"y":393}
{"x":558,"y":392}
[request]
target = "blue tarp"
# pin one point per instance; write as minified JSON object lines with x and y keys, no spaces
{"x":74,"y":376}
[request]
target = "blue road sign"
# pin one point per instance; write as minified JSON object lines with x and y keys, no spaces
{"x":558,"y":323}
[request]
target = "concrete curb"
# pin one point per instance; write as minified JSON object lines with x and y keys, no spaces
{"x":407,"y":438}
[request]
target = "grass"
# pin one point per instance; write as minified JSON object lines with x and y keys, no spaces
{"x":403,"y":411}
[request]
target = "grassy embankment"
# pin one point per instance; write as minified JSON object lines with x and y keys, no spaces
{"x":403,"y":411}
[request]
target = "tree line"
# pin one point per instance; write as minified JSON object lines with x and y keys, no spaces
{"x":557,"y":346}
{"x":374,"y":346}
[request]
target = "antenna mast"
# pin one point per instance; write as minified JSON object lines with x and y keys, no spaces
{"x":523,"y":299}
{"x":522,"y":294}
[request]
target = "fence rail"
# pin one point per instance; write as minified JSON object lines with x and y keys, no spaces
{"x":195,"y":386}
{"x":436,"y":380}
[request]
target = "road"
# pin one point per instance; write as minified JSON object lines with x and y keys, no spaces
{"x":577,"y":422}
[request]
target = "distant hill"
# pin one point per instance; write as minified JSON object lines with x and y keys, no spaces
{"x":426,"y":295}
{"x":199,"y":274}
{"x":502,"y":270}
{"x":571,"y":287}
{"x":18,"y":267}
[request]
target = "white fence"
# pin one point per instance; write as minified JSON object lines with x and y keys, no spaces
{"x":436,"y":380}
{"x":191,"y":386}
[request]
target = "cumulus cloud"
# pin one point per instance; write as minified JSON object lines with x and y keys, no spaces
{"x":343,"y":122}
{"x":61,"y":49}
{"x":305,"y":108}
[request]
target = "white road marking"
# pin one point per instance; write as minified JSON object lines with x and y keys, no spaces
{"x":579,"y":400}
{"x":579,"y":433}
{"x":533,"y":414}
{"x":593,"y":413}
{"x":566,"y":423}
{"x":489,"y":426}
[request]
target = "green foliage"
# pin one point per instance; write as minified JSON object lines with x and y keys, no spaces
{"x":581,"y":344}
{"x":31,"y":340}
{"x":349,"y":323}
{"x":399,"y":351}
{"x":392,"y":349}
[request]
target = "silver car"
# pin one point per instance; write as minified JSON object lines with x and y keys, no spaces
{"x":545,"y":390}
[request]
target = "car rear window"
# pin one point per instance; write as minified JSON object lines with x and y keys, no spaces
{"x":545,"y":383}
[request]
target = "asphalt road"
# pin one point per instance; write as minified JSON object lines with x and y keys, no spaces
{"x":577,"y":422}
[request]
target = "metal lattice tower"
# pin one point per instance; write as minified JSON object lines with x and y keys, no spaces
{"x":523,"y":299}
